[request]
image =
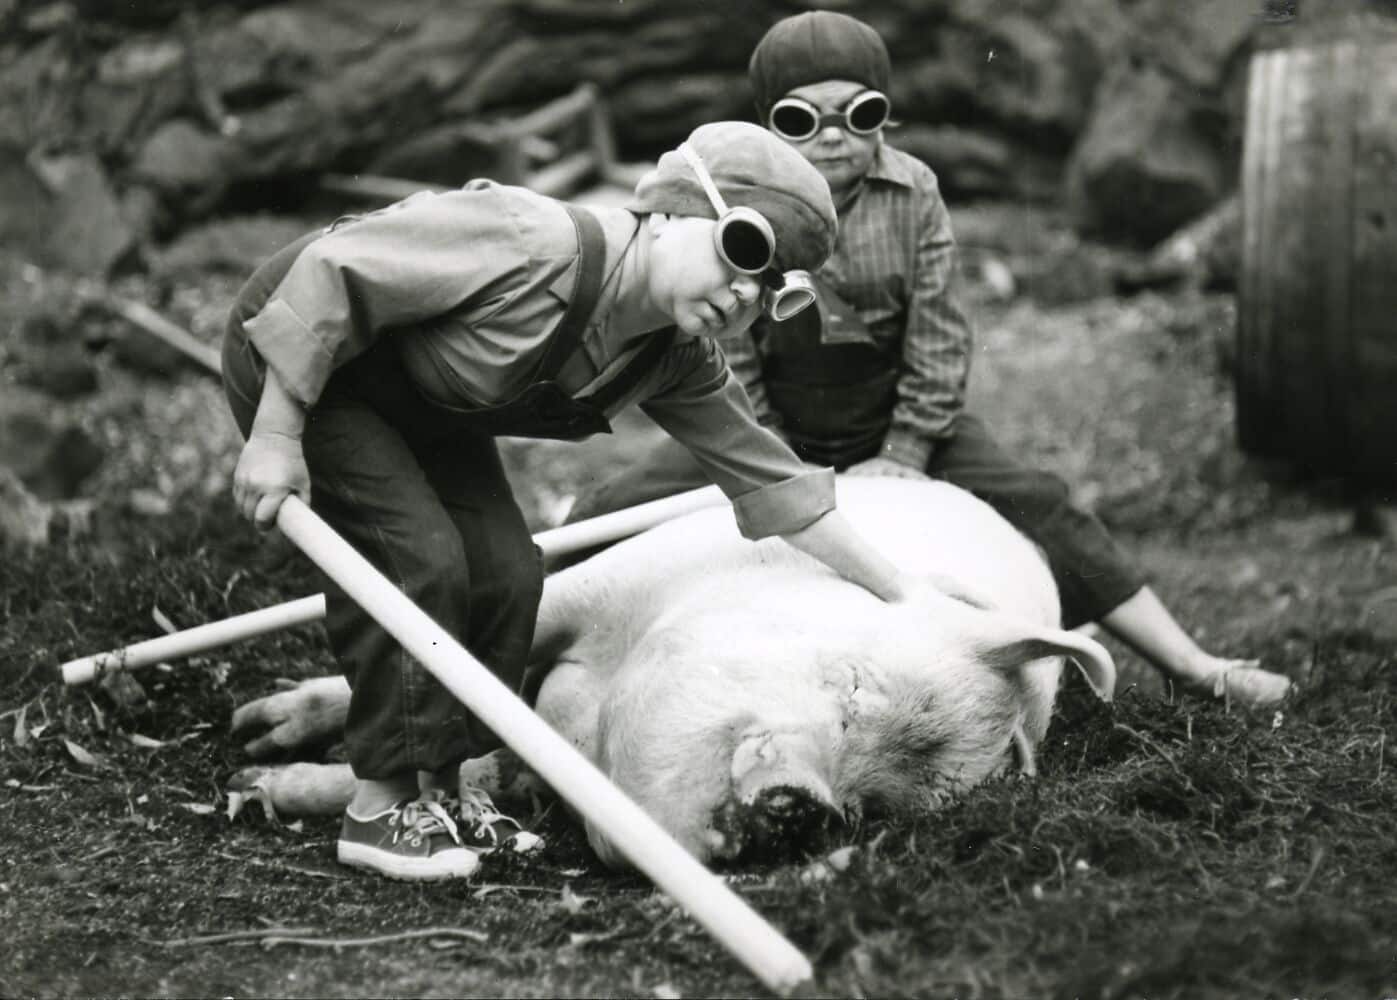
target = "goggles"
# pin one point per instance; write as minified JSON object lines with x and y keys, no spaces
{"x":746,"y":243}
{"x":797,"y":120}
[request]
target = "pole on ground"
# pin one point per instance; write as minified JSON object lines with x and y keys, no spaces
{"x":735,"y":925}
{"x":202,"y":638}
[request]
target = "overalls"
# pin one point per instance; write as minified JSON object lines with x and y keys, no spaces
{"x":418,"y":488}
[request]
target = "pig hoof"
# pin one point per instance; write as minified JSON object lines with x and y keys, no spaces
{"x":247,"y":787}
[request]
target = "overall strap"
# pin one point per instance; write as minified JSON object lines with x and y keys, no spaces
{"x":636,"y":369}
{"x":591,"y":261}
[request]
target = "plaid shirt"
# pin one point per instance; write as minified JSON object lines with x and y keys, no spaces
{"x":895,"y":263}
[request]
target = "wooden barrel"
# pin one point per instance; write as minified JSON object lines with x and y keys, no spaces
{"x":1316,"y":371}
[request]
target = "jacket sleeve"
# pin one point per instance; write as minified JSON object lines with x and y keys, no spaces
{"x":937,"y":344}
{"x":407,"y":263}
{"x":702,"y":405}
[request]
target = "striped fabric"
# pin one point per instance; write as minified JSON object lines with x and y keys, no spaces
{"x":895,"y":262}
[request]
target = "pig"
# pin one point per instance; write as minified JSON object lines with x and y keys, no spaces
{"x":747,"y":697}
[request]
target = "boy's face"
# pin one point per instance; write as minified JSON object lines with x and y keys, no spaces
{"x":689,"y":282}
{"x":840,"y":156}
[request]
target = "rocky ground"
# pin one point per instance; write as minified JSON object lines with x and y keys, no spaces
{"x":1171,"y":847}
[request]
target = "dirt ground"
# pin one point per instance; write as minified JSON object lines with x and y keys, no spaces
{"x":1170,"y":847}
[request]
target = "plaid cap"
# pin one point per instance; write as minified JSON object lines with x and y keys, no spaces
{"x":815,"y":46}
{"x":751,"y":167}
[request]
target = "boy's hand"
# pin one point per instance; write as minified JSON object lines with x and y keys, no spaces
{"x":271,"y":467}
{"x":921,"y":587}
{"x":881,"y":466}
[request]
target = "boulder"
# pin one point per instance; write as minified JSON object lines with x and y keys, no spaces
{"x":87,"y":230}
{"x":63,"y":211}
{"x":1143,"y":167}
{"x":50,"y":453}
{"x":28,"y":522}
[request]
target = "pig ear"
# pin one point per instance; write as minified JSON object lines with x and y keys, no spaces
{"x":1019,"y":643}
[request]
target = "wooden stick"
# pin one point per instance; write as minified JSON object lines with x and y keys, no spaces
{"x":195,"y":640}
{"x":735,"y":925}
{"x":302,"y":611}
{"x":141,"y":315}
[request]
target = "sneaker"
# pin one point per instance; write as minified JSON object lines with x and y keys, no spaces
{"x":485,"y":829}
{"x":415,"y":839}
{"x":1245,"y":683}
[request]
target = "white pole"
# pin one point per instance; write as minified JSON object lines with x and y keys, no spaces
{"x":753,"y":941}
{"x":196,"y":640}
{"x":202,"y":638}
{"x":623,"y":523}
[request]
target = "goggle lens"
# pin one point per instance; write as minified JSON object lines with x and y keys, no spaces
{"x":794,"y":121}
{"x":868,"y":113}
{"x":744,"y":244}
{"x":797,"y":120}
{"x":794,"y":293}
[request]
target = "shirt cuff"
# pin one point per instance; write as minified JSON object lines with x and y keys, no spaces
{"x":787,"y":506}
{"x":291,"y":349}
{"x":909,"y":448}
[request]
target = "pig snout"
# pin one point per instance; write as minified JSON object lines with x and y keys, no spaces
{"x":781,"y":795}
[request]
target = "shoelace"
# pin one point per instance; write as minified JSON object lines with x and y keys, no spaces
{"x":478,"y":809}
{"x":425,"y":816}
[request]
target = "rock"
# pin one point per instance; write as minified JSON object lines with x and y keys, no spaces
{"x":968,"y":163}
{"x":23,"y":201}
{"x":64,"y":210}
{"x":235,"y":245}
{"x":87,"y":231}
{"x":193,"y":107}
{"x":1014,"y":70}
{"x":186,"y":163}
{"x":47,"y":451}
{"x":1204,"y":254}
{"x":28,"y":522}
{"x":1142,"y":168}
{"x":49,"y":354}
{"x":24,"y":519}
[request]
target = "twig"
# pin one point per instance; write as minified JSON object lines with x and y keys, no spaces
{"x":1155,"y":747}
{"x":338,"y":943}
{"x":1315,"y":860}
{"x":482,"y":891}
{"x":312,"y":872}
{"x":252,"y":935}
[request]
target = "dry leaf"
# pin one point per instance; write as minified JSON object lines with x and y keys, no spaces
{"x":144,"y":741}
{"x":840,"y":859}
{"x":665,"y":991}
{"x":162,"y":619}
{"x":571,"y":901}
{"x":81,"y":756}
{"x":21,"y":731}
{"x":197,"y":808}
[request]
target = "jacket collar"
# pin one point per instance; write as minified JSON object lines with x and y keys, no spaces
{"x":888,"y":165}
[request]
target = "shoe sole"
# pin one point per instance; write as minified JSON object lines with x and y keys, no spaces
{"x":438,"y":868}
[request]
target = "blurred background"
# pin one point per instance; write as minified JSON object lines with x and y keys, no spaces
{"x":152,"y":153}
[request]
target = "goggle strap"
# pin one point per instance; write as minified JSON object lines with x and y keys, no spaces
{"x":701,"y":172}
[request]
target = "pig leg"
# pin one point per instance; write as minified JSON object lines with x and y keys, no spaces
{"x":505,"y":778}
{"x":311,"y":714}
{"x":306,"y":789}
{"x":1023,"y":746}
{"x":300,"y":789}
